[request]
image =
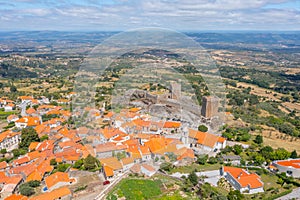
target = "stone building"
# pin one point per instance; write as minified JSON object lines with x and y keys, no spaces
{"x":175,"y":90}
{"x":210,"y":105}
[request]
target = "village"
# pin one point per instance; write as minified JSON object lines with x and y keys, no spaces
{"x":128,"y":142}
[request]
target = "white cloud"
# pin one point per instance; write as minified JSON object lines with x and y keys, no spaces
{"x":175,"y":14}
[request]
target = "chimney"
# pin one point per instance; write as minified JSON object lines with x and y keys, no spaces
{"x":239,"y":176}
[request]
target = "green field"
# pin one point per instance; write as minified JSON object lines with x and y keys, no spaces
{"x":4,"y":115}
{"x":196,"y":167}
{"x":136,"y":189}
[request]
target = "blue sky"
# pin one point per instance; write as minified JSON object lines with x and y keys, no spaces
{"x":87,"y":15}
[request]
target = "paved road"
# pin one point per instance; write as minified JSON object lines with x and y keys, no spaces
{"x":295,"y":194}
{"x":113,"y":183}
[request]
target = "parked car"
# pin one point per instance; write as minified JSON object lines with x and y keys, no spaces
{"x":106,"y":182}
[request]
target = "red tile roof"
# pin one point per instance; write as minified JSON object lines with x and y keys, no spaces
{"x":295,"y":163}
{"x":8,"y":134}
{"x":16,"y":197}
{"x":244,"y":178}
{"x":57,"y":177}
{"x":206,"y":139}
{"x":172,"y":124}
{"x":53,"y":195}
{"x":3,"y":165}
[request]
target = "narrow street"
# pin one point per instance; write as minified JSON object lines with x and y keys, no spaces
{"x":107,"y":189}
{"x":295,"y":194}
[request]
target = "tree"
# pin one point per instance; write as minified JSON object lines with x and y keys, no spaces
{"x":280,"y":181}
{"x":294,"y":154}
{"x":212,"y":160}
{"x":258,"y":139}
{"x":226,"y":150}
{"x":193,"y":178}
{"x":202,"y":159}
{"x":44,"y":137}
{"x":171,"y":156}
{"x":90,"y":162}
{"x":237,"y":149}
{"x":78,"y":164}
{"x":280,"y":154}
{"x":53,"y":162}
{"x":259,"y":159}
{"x":26,"y":190}
{"x":62,"y":167}
{"x":235,"y":195}
{"x":245,"y":136}
{"x":28,"y":135}
{"x":202,"y":128}
{"x":286,"y":128}
{"x":266,"y":152}
{"x":13,"y":89}
{"x":3,"y":151}
{"x":18,"y":152}
{"x":166,"y":166}
{"x":34,"y":184}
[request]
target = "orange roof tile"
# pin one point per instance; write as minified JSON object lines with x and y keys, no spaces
{"x":156,"y":144}
{"x":136,"y":168}
{"x":26,"y":169}
{"x":3,"y":165}
{"x":109,"y":115}
{"x":108,"y":132}
{"x":34,"y":176}
{"x":30,"y":121}
{"x":45,"y":167}
{"x":16,"y":197}
{"x":188,"y":153}
{"x":33,"y":145}
{"x":295,"y":163}
{"x":144,"y":150}
{"x":8,"y":134}
{"x":11,"y":105}
{"x":33,"y":155}
{"x":148,"y":167}
{"x":243,"y":177}
{"x":30,"y":111}
{"x":21,"y":160}
{"x":11,"y":117}
{"x":57,"y":177}
{"x":172,"y":124}
{"x":83,"y":130}
{"x":127,"y":160}
{"x":53,"y":195}
{"x":221,"y":140}
{"x":142,"y":123}
{"x":131,"y":142}
{"x":25,"y":97}
{"x":109,"y":146}
{"x":134,"y":109}
{"x":16,"y":179}
{"x":134,"y":152}
{"x":63,"y":101}
{"x":45,"y":145}
{"x":112,"y":162}
{"x":206,"y":139}
{"x":108,"y":171}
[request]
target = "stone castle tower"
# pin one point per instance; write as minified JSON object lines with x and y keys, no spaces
{"x":175,"y":90}
{"x":210,"y":105}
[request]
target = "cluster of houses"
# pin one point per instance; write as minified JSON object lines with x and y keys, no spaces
{"x":130,"y":141}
